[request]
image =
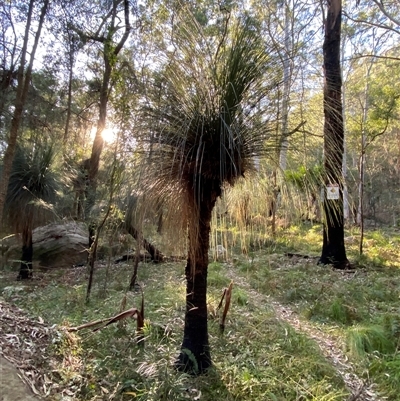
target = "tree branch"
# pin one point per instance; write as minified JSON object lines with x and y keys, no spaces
{"x":362,"y":21}
{"x":387,"y":15}
{"x":373,"y":56}
{"x":127,"y":28}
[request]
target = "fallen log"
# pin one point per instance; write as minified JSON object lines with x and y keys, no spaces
{"x":155,"y":254}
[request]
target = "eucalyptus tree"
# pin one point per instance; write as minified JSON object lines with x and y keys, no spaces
{"x":204,"y":120}
{"x":26,"y":59}
{"x":107,"y":24}
{"x":289,"y":26}
{"x":372,"y":103}
{"x":333,"y":248}
{"x":32,"y":188}
{"x":383,"y":15}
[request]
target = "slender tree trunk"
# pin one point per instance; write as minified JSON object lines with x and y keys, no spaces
{"x":22,"y":92}
{"x":361,"y":164}
{"x":98,"y":141}
{"x":286,"y":93}
{"x":195,"y":355}
{"x":333,"y":249}
{"x":110,"y":53}
{"x":25,"y":271}
{"x":69,"y":98}
{"x":360,"y":211}
{"x":346,"y":207}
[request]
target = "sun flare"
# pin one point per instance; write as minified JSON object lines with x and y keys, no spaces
{"x":109,"y":134}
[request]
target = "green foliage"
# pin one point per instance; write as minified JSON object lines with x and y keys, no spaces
{"x":306,"y":177}
{"x":216,"y":277}
{"x":342,"y":313}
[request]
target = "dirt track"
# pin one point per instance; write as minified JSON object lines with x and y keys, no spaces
{"x":12,"y":388}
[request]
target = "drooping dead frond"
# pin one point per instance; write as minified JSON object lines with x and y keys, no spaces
{"x":133,"y":313}
{"x":227,"y":295}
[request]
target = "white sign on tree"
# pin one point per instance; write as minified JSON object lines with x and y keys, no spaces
{"x":332,"y":191}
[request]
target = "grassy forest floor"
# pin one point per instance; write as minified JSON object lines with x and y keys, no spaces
{"x":295,"y":330}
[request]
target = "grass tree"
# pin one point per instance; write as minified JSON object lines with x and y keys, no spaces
{"x":207,"y":123}
{"x":31,"y":187}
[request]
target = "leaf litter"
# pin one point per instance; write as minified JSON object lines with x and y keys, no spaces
{"x":26,"y":344}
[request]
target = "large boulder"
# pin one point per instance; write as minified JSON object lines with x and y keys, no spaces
{"x":60,"y":244}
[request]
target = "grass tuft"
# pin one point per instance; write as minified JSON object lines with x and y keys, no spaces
{"x":362,"y":340}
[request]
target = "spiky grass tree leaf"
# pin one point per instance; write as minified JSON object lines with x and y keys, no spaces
{"x":32,"y":187}
{"x":202,"y":119}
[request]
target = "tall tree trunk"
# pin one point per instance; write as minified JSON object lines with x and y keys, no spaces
{"x":22,"y":92}
{"x":25,"y":271}
{"x":360,"y":210}
{"x":98,"y":141}
{"x":362,"y":161}
{"x":333,"y":249}
{"x":110,"y":53}
{"x":195,"y":355}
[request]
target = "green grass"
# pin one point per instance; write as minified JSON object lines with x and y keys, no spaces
{"x":361,"y":306}
{"x":259,"y":357}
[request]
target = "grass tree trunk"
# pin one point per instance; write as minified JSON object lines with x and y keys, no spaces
{"x":333,"y":249}
{"x":195,"y":355}
{"x":25,"y":271}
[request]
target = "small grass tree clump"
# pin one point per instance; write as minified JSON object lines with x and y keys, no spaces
{"x":31,"y":189}
{"x":206,"y":124}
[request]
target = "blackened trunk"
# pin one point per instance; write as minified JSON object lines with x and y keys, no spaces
{"x":195,"y":355}
{"x":333,"y":249}
{"x":25,"y":271}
